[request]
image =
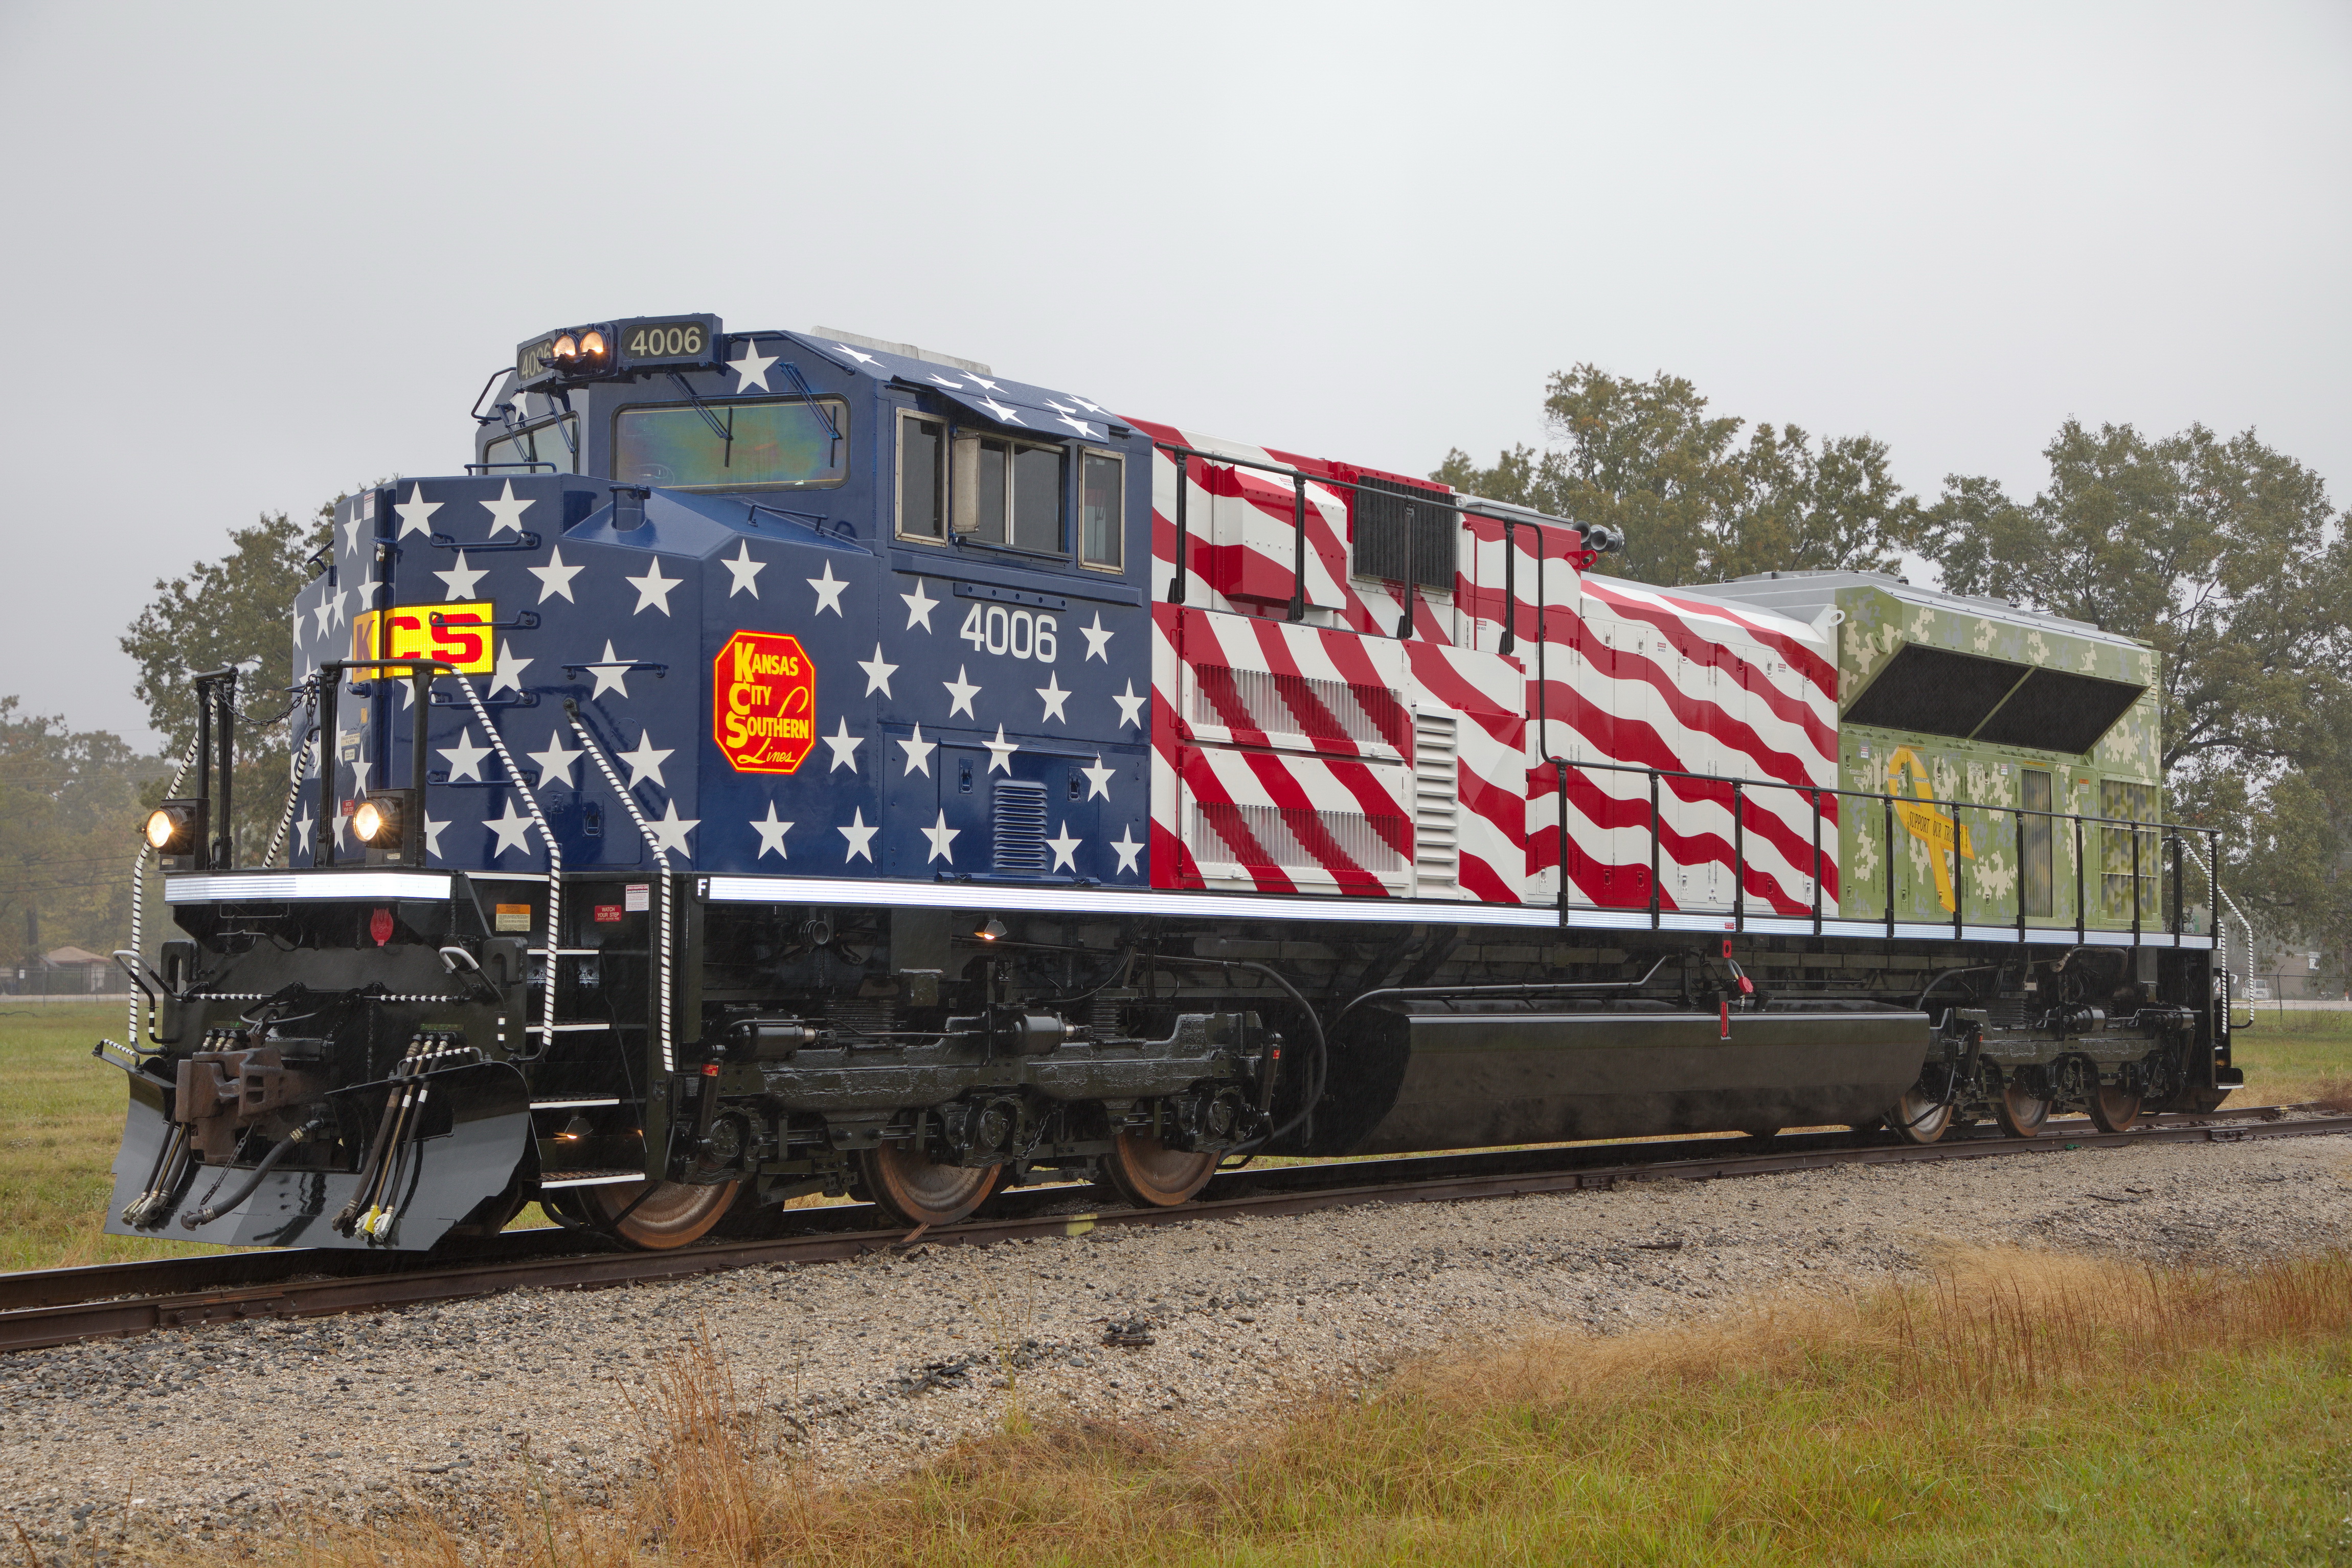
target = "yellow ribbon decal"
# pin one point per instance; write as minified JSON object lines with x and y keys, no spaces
{"x":1923,"y":822}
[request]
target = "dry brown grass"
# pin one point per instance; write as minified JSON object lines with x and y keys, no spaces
{"x":2008,"y":1403}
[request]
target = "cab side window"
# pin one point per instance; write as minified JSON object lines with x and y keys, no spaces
{"x":922,"y":477}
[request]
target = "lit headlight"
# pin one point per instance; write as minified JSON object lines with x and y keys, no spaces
{"x":377,"y":823}
{"x":172,"y":827}
{"x":567,"y":349}
{"x":592,"y":345}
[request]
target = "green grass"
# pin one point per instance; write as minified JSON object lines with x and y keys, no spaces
{"x":2290,"y":1056}
{"x":60,"y":1121}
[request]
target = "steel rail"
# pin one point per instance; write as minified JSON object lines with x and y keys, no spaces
{"x":298,"y":1284}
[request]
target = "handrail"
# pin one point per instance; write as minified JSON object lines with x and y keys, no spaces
{"x":1743,"y":788}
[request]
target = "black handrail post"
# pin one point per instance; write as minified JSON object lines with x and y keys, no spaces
{"x":2179,"y":903}
{"x":331,"y":690}
{"x":2134,"y":868}
{"x":204,"y":846}
{"x":412,"y":834}
{"x":223,"y":692}
{"x":2080,"y":921}
{"x":1817,"y":859}
{"x":2020,"y":874}
{"x":1559,"y":779}
{"x":1655,"y":918}
{"x":1510,"y":588}
{"x":1738,"y":856}
{"x":1886,"y":804}
{"x":1298,"y":548}
{"x":1959,"y":874}
{"x":1183,"y":532}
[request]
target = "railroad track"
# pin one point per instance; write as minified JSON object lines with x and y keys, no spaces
{"x":62,"y":1306}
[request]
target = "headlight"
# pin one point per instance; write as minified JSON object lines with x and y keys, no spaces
{"x":173,"y":827}
{"x":376,"y":823}
{"x":567,"y":349}
{"x":592,"y":345}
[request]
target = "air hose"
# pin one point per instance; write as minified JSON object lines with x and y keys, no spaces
{"x":213,"y":1211}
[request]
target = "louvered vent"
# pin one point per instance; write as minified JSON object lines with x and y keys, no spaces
{"x":1404,"y":532}
{"x":1311,"y":705}
{"x":1017,"y":813}
{"x":1293,"y":836}
{"x":1436,"y":804}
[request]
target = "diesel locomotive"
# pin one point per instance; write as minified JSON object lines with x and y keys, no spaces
{"x":789,"y":762}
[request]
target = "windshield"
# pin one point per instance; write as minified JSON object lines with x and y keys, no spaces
{"x":784,"y":446}
{"x":552,"y":445}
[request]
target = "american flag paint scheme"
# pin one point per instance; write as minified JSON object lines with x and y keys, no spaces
{"x":848,"y":769}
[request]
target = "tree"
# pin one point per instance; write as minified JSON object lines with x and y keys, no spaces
{"x":2225,"y":555}
{"x":69,"y":829}
{"x":220,"y":613}
{"x":1693,"y":502}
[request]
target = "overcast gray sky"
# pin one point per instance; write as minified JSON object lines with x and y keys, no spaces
{"x":256,"y":255}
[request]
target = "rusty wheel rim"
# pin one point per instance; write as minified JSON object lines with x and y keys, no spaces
{"x":672,"y":1214}
{"x":2114,"y":1110}
{"x":2022,"y":1115}
{"x":910,"y":1185}
{"x":1919,"y":1117}
{"x":1149,"y":1175}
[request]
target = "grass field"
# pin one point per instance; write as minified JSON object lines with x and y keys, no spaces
{"x":2018,"y":1409}
{"x":61,"y":1115}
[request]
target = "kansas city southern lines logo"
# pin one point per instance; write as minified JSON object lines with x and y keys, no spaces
{"x":763,"y":695}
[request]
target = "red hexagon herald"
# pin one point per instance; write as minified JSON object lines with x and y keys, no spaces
{"x":763,"y":696}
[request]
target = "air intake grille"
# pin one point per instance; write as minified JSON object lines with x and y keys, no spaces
{"x":1293,"y":836}
{"x":1436,"y":803}
{"x":1017,"y":813}
{"x":1311,"y":705}
{"x":1404,"y":532}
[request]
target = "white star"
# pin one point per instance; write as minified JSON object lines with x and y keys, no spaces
{"x":434,"y":829}
{"x":645,"y":761}
{"x":828,"y":590}
{"x":919,"y":606}
{"x":338,"y":605}
{"x":514,"y":831}
{"x":1001,"y":750}
{"x":752,"y":367}
{"x":1098,"y":778}
{"x":941,"y":836}
{"x":465,"y":757}
{"x":1080,"y":425}
{"x":506,"y":512}
{"x":962,"y":690}
{"x":744,"y":569}
{"x":297,"y":629}
{"x":555,"y":578}
{"x":1054,"y":698}
{"x":302,"y":829}
{"x":845,"y":745}
{"x":653,"y":589}
{"x":1003,"y":415}
{"x":350,"y":526}
{"x":612,"y":673}
{"x":1065,"y":849}
{"x":416,"y":512}
{"x":980,"y":380}
{"x":668,"y":831}
{"x":1090,"y":407}
{"x":509,"y":669}
{"x":1127,"y":849}
{"x":860,"y":837}
{"x":557,"y":760}
{"x":324,"y":608}
{"x":1130,"y":705}
{"x":918,"y":753}
{"x":771,"y":834}
{"x":1098,"y":639}
{"x":878,"y":673}
{"x":951,"y":386}
{"x":863,"y":360}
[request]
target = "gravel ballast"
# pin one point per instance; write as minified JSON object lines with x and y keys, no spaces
{"x":877,"y":1363}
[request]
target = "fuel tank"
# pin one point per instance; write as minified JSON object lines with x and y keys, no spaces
{"x":1435,"y":1078}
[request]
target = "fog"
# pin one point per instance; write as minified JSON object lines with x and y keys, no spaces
{"x":257,"y":256}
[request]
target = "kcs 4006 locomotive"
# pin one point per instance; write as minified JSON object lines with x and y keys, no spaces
{"x":785,"y":762}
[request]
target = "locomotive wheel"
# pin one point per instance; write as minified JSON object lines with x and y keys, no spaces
{"x":672,"y":1214}
{"x":2113,"y":1110}
{"x":2021,"y":1115}
{"x":1149,"y":1175}
{"x":1919,"y":1117}
{"x":910,"y":1185}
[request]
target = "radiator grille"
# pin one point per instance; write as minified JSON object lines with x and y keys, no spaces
{"x":1017,"y":815}
{"x":1311,"y":706}
{"x":1404,"y":533}
{"x":1295,"y":837}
